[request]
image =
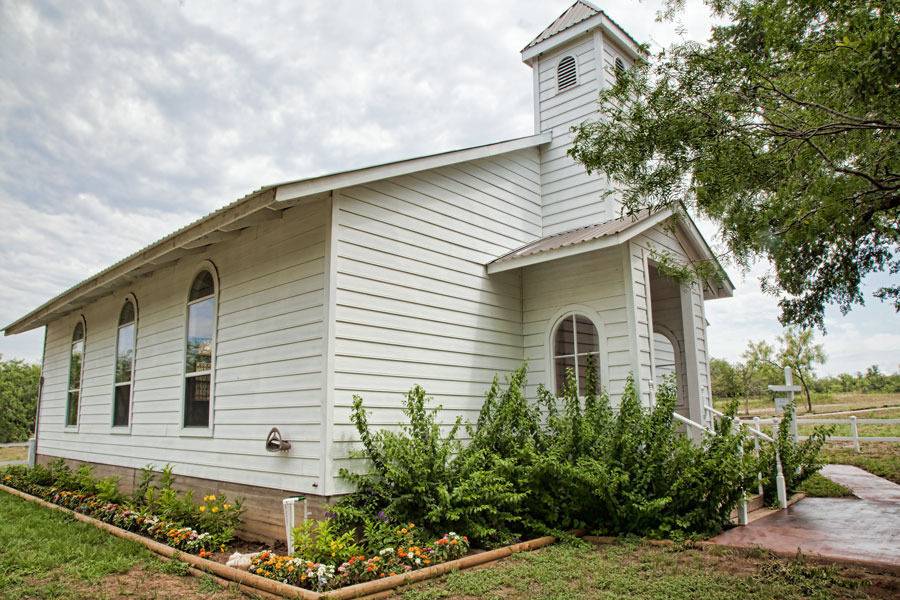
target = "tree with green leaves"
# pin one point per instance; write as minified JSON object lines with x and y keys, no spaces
{"x":782,"y":129}
{"x":18,"y":399}
{"x":760,"y":369}
{"x":726,"y":378}
{"x":800,"y":352}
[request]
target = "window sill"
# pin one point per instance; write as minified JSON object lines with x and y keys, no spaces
{"x":120,"y":430}
{"x":197,"y":432}
{"x":70,"y":429}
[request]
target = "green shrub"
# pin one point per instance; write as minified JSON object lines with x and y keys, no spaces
{"x":321,"y":542}
{"x":419,"y":475}
{"x":546,"y":467}
{"x":217,"y":515}
{"x":798,"y":460}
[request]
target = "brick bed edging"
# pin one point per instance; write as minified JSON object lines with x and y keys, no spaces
{"x":370,"y":590}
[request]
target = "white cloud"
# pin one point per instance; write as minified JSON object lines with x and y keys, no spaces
{"x":130,"y":119}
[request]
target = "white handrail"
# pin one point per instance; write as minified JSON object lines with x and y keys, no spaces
{"x":691,"y":423}
{"x":780,"y":486}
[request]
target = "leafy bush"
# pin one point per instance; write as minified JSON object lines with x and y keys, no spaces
{"x":218,"y":516}
{"x":320,"y":542}
{"x":422,"y":476}
{"x":545,"y":467}
{"x":798,"y":460}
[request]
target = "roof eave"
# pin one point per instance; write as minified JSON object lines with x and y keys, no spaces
{"x":334,"y":181}
{"x":722,"y":287}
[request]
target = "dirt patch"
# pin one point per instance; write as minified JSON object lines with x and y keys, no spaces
{"x":141,"y":583}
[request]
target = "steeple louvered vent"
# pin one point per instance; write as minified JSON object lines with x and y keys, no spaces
{"x":566,"y":73}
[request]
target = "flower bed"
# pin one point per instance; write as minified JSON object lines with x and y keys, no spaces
{"x":387,"y":562}
{"x":168,"y":532}
{"x":130,"y":518}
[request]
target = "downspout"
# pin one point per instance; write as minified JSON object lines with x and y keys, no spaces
{"x":40,"y":395}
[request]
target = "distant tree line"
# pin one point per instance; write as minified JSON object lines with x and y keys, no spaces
{"x":762,"y":364}
{"x":18,"y":399}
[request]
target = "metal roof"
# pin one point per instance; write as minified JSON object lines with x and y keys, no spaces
{"x":575,"y":236}
{"x":612,"y":233}
{"x":576,"y":13}
{"x":225,"y":223}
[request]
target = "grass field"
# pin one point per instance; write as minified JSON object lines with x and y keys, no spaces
{"x":882,"y":459}
{"x":13,"y":453}
{"x":822,"y":403}
{"x":863,"y":430}
{"x":48,"y":554}
{"x":651,"y":572}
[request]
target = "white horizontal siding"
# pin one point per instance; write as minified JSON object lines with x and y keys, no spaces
{"x":569,"y":196}
{"x":413,"y":304}
{"x":268,"y":364}
{"x":593,"y":280}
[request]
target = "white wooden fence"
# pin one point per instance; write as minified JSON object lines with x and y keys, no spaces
{"x":30,"y":457}
{"x":854,"y":423}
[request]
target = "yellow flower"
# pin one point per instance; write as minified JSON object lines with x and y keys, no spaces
{"x":215,"y":509}
{"x":212,"y":498}
{"x":226,"y":506}
{"x":202,"y":509}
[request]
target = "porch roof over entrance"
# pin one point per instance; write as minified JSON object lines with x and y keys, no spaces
{"x":612,"y":233}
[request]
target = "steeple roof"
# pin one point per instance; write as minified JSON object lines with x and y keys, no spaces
{"x":575,"y":14}
{"x":578,"y":13}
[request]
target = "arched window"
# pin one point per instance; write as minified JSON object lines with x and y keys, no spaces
{"x":201,"y":328}
{"x":76,"y":368}
{"x":566,"y":73}
{"x":124,"y":376}
{"x":574,"y":340}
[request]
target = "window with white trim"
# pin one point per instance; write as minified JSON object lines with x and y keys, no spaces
{"x":76,"y":369}
{"x":124,"y":369}
{"x":200,"y":338}
{"x":574,"y":339}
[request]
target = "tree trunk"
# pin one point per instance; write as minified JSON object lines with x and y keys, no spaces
{"x":805,"y":390}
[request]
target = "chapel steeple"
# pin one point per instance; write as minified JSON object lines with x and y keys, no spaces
{"x":573,"y":59}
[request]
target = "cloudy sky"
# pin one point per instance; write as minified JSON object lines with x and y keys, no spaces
{"x":121,"y":121}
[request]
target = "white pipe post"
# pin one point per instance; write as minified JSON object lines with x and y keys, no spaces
{"x":854,"y":433}
{"x":743,"y":514}
{"x":32,"y":452}
{"x":759,"y":475}
{"x":789,"y":381}
{"x":779,"y":481}
{"x":287,"y":505}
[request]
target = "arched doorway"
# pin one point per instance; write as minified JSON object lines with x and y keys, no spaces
{"x":669,"y":360}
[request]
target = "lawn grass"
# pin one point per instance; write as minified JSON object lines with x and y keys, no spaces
{"x":862,"y":430}
{"x":763,"y":406}
{"x":13,"y":453}
{"x":879,"y":458}
{"x":819,"y":486}
{"x":632,"y":570}
{"x":48,"y":554}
